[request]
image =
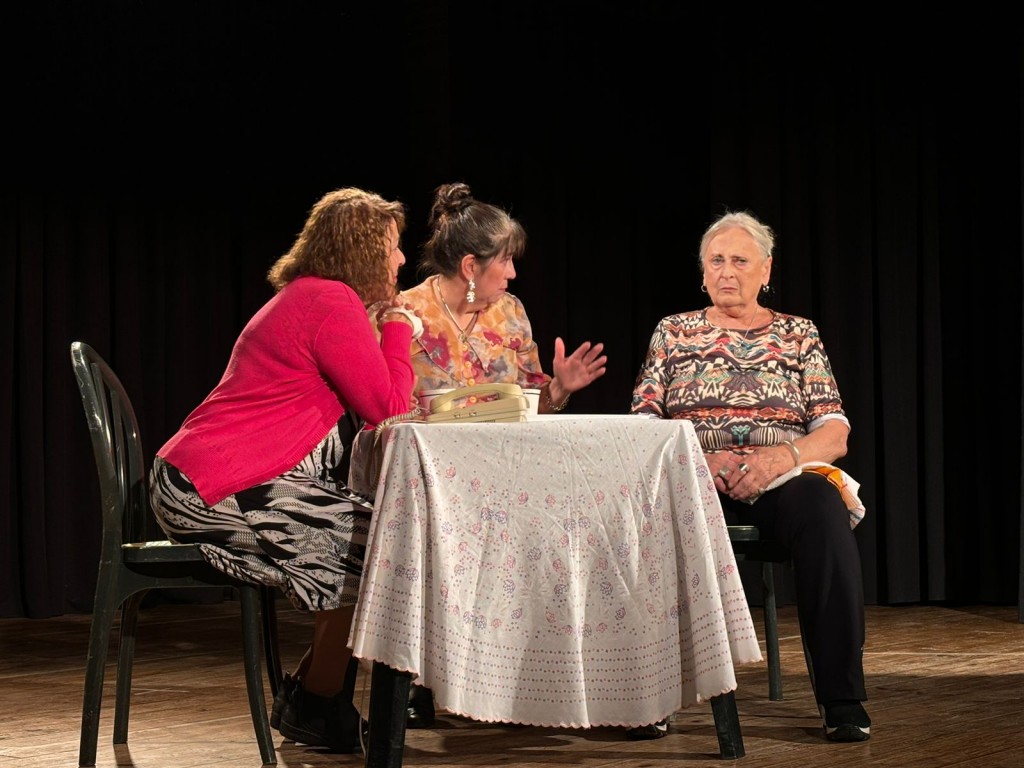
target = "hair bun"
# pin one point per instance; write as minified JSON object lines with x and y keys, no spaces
{"x":450,"y":199}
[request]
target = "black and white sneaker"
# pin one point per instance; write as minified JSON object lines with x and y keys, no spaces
{"x":651,"y":731}
{"x":845,"y":721}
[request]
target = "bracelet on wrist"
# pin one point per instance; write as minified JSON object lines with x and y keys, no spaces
{"x":793,"y":450}
{"x":551,"y":403}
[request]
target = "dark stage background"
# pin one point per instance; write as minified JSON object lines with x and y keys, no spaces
{"x":160,"y":156}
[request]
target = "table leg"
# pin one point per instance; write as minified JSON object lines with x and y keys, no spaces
{"x":727,"y":725}
{"x":389,"y":703}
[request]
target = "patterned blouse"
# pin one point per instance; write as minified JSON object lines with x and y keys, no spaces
{"x":740,"y":390}
{"x":498,"y":347}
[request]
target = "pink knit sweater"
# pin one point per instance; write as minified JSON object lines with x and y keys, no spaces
{"x":304,"y":359}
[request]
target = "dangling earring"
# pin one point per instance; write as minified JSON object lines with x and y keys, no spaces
{"x":703,"y":289}
{"x":471,"y":293}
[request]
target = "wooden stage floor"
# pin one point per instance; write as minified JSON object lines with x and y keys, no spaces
{"x":946,"y":688}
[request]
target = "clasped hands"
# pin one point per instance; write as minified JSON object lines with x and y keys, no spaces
{"x":743,"y":477}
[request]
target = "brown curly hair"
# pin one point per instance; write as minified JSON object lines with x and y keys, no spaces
{"x":344,"y":238}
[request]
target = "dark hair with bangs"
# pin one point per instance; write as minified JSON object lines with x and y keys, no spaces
{"x":461,"y":224}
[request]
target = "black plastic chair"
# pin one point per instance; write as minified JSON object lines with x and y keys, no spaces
{"x":130,"y":565}
{"x":747,"y":544}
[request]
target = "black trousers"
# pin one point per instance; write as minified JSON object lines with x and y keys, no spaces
{"x":807,"y":515}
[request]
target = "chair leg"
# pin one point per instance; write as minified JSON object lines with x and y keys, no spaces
{"x":104,"y":609}
{"x":251,"y":641}
{"x":125,"y":660}
{"x":771,"y":632}
{"x":389,"y":702}
{"x":727,"y":726}
{"x":271,"y":647}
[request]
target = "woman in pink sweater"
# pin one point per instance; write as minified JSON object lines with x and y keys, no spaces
{"x":256,"y":476}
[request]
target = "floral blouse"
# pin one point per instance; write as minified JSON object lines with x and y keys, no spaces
{"x":740,"y":390}
{"x":497,"y":347}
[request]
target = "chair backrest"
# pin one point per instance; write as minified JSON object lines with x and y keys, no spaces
{"x":117,"y":447}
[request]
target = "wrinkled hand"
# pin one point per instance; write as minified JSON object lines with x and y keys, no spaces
{"x":745,"y":477}
{"x":396,"y":302}
{"x":397,"y":310}
{"x":579,"y":369}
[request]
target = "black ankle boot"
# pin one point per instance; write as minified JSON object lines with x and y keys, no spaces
{"x":319,"y":721}
{"x":284,"y":693}
{"x":420,"y":713}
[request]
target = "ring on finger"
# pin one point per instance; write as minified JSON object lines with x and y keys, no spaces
{"x":723,"y":473}
{"x":744,"y":468}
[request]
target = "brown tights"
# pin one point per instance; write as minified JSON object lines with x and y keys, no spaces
{"x":323,"y":667}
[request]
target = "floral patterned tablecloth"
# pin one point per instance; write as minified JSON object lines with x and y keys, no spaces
{"x":568,"y":571}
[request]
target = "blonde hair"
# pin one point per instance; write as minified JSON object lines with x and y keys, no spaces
{"x":344,"y":238}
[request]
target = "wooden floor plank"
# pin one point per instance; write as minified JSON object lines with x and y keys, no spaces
{"x":946,"y":689}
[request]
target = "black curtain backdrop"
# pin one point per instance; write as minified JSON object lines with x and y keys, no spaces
{"x":160,"y":156}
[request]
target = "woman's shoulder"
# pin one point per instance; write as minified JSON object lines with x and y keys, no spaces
{"x":308,"y":285}
{"x":415,"y":297}
{"x":423,"y":299}
{"x":309,"y":302}
{"x":688,"y":320}
{"x":794,"y":324}
{"x":507,"y":312}
{"x":319,"y":296}
{"x":696,"y":320}
{"x":512,"y":301}
{"x":419,"y":294}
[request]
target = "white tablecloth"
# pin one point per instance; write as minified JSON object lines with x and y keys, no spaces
{"x":567,"y":571}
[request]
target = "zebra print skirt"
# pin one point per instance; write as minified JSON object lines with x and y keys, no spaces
{"x":303,"y":532}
